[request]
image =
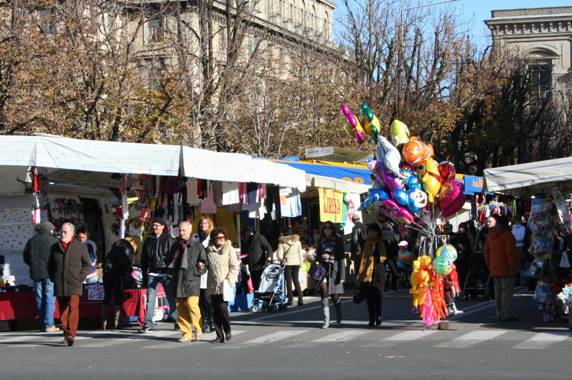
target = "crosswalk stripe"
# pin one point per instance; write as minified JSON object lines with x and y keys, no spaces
{"x":542,"y":340}
{"x":21,"y":338}
{"x":170,"y":345}
{"x":471,"y":339}
{"x":275,"y":337}
{"x":341,"y":336}
{"x":407,"y":336}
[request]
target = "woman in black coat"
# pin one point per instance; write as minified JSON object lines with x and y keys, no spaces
{"x":330,"y":255}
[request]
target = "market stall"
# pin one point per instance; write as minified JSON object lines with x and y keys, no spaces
{"x":116,"y":188}
{"x":547,"y":185}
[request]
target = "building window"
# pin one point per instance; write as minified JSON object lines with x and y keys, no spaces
{"x":540,"y":78}
{"x":46,"y":21}
{"x":156,"y":28}
{"x":281,"y":58}
{"x":154,"y":69}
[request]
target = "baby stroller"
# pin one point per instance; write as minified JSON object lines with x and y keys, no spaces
{"x":271,"y":294}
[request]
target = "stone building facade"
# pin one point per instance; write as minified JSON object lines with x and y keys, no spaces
{"x":543,"y":36}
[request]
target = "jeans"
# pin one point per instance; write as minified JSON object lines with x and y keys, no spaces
{"x":168,"y":282}
{"x":45,"y":301}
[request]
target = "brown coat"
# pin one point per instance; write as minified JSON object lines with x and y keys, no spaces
{"x":68,"y":269}
{"x":368,"y":263}
{"x":500,"y":253}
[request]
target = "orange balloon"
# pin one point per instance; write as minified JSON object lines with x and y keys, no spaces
{"x":414,"y":152}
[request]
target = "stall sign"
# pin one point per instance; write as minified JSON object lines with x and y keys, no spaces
{"x":331,"y":205}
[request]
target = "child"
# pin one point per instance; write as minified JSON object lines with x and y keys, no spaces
{"x":452,"y":290}
{"x":405,"y":257}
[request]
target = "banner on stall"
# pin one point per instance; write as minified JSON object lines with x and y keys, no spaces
{"x":331,"y":205}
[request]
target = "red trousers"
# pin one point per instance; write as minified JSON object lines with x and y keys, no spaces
{"x":69,"y":314}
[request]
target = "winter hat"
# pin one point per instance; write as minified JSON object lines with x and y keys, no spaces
{"x":161,"y":221}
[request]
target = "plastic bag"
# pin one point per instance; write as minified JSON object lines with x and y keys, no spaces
{"x":564,"y":261}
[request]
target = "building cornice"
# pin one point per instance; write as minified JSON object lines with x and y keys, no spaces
{"x":530,"y":26}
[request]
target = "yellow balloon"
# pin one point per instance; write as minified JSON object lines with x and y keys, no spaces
{"x":366,"y":126}
{"x":399,"y":133}
{"x":431,"y":179}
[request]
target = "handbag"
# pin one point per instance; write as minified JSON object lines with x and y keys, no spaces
{"x":318,"y":272}
{"x":227,"y":292}
{"x":249,"y":285}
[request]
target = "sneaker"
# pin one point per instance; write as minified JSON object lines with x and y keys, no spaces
{"x":185,"y":339}
{"x":145,"y":330}
{"x":198,"y":337}
{"x":52,"y":329}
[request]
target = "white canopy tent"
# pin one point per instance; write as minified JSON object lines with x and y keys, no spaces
{"x":531,"y":178}
{"x":234,"y":167}
{"x":57,"y":152}
{"x":87,"y":155}
{"x":313,"y":180}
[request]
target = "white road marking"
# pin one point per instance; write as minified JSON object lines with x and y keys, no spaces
{"x":343,"y":336}
{"x":408,"y":336}
{"x":543,"y":340}
{"x":275,"y":337}
{"x":171,"y":345}
{"x":23,"y":338}
{"x":471,"y":339}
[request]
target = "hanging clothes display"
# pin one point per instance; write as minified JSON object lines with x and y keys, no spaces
{"x":192,"y":192}
{"x":208,"y":205}
{"x":290,"y":203}
{"x":230,"y":194}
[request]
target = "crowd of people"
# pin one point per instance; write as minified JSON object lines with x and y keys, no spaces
{"x":197,"y":270}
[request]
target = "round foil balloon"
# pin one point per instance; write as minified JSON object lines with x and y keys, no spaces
{"x":442,"y":265}
{"x":451,"y":197}
{"x":447,"y":170}
{"x":414,"y":152}
{"x":448,"y":251}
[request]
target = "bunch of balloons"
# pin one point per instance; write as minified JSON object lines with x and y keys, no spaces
{"x":406,"y":176}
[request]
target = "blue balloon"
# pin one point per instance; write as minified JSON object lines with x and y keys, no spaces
{"x":374,"y":196}
{"x":401,"y":197}
{"x":413,"y":183}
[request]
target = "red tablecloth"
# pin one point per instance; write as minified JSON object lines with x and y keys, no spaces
{"x":22,"y":306}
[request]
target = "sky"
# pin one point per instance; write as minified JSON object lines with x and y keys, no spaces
{"x":473,"y":12}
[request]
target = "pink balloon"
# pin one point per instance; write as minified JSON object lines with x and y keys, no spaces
{"x":390,"y":180}
{"x":398,"y":213}
{"x":451,"y":197}
{"x":349,"y":115}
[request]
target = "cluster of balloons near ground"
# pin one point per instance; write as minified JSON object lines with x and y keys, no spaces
{"x":406,"y":177}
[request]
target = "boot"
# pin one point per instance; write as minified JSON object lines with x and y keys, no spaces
{"x":117,"y":318}
{"x":338,"y":306}
{"x":326,"y":312}
{"x":103,"y":318}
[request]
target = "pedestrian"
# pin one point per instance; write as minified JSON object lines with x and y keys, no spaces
{"x":83,"y":237}
{"x":392,"y":250}
{"x":330,"y":255}
{"x":36,"y":256}
{"x":68,"y":266}
{"x":259,"y":252}
{"x":157,"y":268}
{"x":291,"y":256}
{"x":371,"y":274}
{"x":358,"y":237}
{"x":222,"y":264}
{"x":190,"y":264}
{"x":405,"y":258}
{"x":500,"y":258}
{"x":117,"y":266}
{"x":203,"y":236}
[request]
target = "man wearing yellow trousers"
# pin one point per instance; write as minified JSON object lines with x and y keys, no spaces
{"x":189,"y":262}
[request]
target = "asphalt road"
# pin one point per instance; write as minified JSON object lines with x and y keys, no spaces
{"x":291,"y":345}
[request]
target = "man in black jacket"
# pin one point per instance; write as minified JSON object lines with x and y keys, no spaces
{"x":259,"y":252}
{"x":36,"y":255}
{"x":190,"y":264}
{"x":158,"y":268}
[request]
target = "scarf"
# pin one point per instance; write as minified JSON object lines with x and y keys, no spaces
{"x":369,"y":259}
